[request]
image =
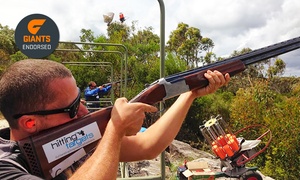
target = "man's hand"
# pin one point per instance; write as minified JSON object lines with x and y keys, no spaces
{"x":215,"y":79}
{"x":128,"y":117}
{"x":100,"y":87}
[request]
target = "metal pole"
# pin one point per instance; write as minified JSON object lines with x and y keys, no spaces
{"x":162,"y":72}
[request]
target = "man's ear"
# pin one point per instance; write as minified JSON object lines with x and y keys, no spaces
{"x":28,"y":123}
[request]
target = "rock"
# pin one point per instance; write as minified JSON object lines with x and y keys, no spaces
{"x":175,"y":154}
{"x":181,"y":150}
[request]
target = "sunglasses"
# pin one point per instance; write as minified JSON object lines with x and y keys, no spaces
{"x":72,"y":109}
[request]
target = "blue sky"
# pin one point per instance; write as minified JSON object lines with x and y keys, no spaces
{"x":231,"y":24}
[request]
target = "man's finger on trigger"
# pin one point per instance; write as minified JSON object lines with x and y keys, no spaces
{"x":145,"y":107}
{"x":149,"y":108}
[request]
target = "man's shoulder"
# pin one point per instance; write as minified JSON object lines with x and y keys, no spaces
{"x":10,"y":155}
{"x":8,"y":148}
{"x":6,"y":145}
{"x":11,"y":168}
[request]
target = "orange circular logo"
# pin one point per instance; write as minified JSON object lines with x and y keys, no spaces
{"x":37,"y":36}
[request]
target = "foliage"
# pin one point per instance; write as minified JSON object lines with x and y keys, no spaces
{"x":173,"y":65}
{"x":284,"y":85}
{"x":187,"y":43}
{"x":276,"y":69}
{"x":118,"y":32}
{"x":7,"y":46}
{"x":7,"y":43}
{"x":18,"y":56}
{"x":65,"y":52}
{"x":260,"y":105}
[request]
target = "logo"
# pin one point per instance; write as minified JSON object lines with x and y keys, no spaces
{"x":35,"y":25}
{"x":37,"y":36}
{"x":71,"y":142}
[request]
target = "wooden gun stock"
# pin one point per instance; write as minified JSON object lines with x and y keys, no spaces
{"x":45,"y":165}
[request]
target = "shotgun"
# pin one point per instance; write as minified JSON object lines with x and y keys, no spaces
{"x":51,"y":151}
{"x":116,"y":82}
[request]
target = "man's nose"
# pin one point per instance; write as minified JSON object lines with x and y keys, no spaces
{"x":82,"y":111}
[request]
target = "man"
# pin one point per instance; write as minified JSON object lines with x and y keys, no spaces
{"x":93,"y":93}
{"x":39,"y":94}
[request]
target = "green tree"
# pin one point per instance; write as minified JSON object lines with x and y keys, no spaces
{"x":261,"y":105}
{"x":143,"y":62}
{"x":65,"y":53}
{"x":18,"y":56}
{"x":144,"y":45}
{"x":210,"y":57}
{"x":277,"y":69}
{"x":187,"y":43}
{"x":7,"y":46}
{"x":118,"y":32}
{"x":87,"y":35}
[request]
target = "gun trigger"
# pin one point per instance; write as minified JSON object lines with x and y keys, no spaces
{"x":163,"y":108}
